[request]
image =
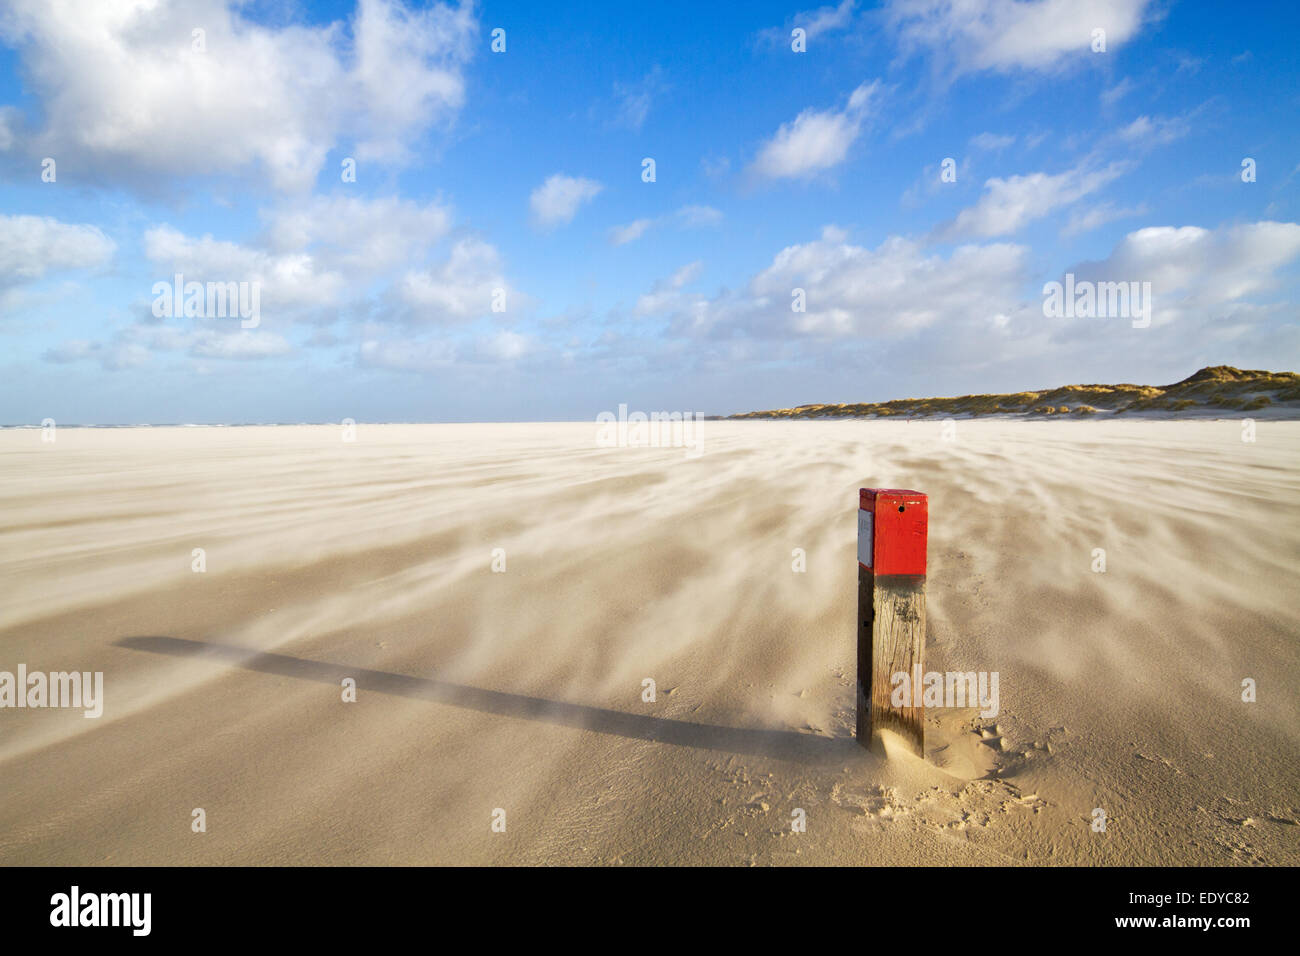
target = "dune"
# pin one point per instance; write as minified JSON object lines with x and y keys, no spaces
{"x":518,"y":694}
{"x":1208,"y":393}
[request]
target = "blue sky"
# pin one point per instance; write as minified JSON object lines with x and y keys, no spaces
{"x":518,"y":175}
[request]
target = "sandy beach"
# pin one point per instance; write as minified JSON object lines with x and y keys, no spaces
{"x":521,"y":689}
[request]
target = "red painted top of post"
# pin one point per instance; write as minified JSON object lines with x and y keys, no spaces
{"x":900,"y":527}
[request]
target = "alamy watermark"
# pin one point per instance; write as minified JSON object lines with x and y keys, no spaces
{"x":209,"y":300}
{"x":953,"y":689}
{"x":56,"y":689}
{"x":130,"y":910}
{"x":655,"y":430}
{"x":1098,"y":300}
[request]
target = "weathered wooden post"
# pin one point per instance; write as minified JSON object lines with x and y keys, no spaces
{"x":892,"y":529}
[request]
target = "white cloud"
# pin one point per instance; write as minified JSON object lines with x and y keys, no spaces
{"x":686,"y":274}
{"x":125,"y":355}
{"x":698,"y":217}
{"x":1146,"y":131}
{"x":1004,"y":35}
{"x":825,"y":19}
{"x":332,"y":257}
{"x":313,"y":253}
{"x":903,"y":306}
{"x":1089,"y":217}
{"x":687,"y":217}
{"x":460,"y":288}
{"x":31,"y":246}
{"x":1195,"y":271}
{"x":136,"y":345}
{"x":287,"y":280}
{"x":120,"y":86}
{"x":1113,"y":94}
{"x":896,"y":288}
{"x":992,"y":141}
{"x":556,"y":201}
{"x":814,"y":23}
{"x":666,"y":295}
{"x":239,"y":344}
{"x":365,"y":236}
{"x":1009,"y":204}
{"x":72,"y":350}
{"x":636,"y":99}
{"x":406,"y":355}
{"x":622,"y":235}
{"x":505,"y":346}
{"x":815,"y":140}
{"x":9,"y":118}
{"x":408,"y":71}
{"x":202,"y":341}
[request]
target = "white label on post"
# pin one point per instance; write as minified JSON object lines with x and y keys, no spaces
{"x":864,"y":537}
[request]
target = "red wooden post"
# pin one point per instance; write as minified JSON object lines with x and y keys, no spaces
{"x":892,"y":530}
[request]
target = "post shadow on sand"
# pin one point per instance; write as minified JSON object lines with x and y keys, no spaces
{"x":781,"y":744}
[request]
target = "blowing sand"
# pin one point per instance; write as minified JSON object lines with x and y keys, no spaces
{"x":522,"y":690}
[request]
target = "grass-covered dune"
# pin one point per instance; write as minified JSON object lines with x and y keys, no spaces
{"x":1220,"y":388}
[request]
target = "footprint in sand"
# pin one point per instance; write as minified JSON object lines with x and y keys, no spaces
{"x":877,"y":802}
